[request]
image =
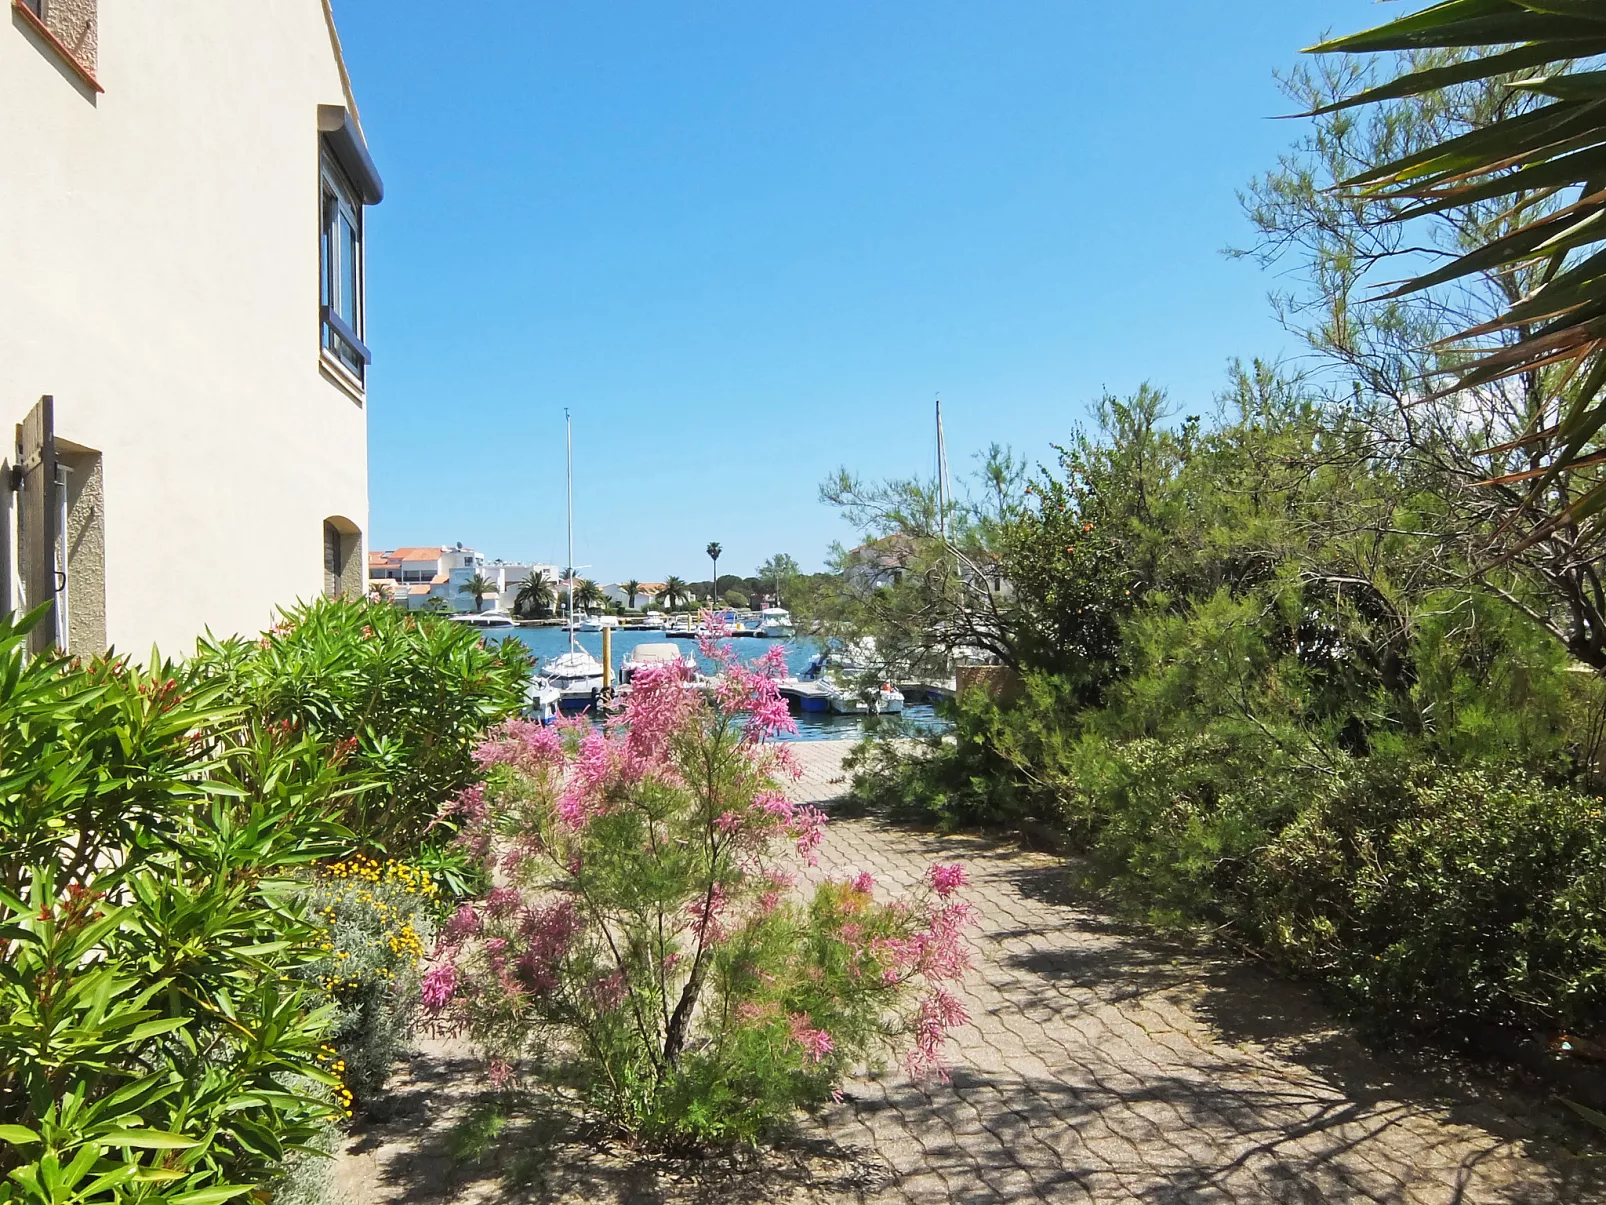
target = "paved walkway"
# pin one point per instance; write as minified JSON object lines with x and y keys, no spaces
{"x":1101,"y":1065}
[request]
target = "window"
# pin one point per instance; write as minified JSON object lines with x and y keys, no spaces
{"x":68,"y":30}
{"x":342,"y":558}
{"x":331,"y":560}
{"x":342,"y":284}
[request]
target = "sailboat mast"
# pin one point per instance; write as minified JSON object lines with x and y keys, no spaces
{"x":568,"y":434}
{"x":942,"y":479}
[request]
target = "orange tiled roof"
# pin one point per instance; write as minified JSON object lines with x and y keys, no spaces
{"x":418,"y":554}
{"x":418,"y":589}
{"x":440,"y":579}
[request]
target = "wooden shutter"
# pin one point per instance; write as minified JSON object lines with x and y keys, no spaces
{"x":37,"y":520}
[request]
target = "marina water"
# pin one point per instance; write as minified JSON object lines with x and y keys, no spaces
{"x":547,"y":643}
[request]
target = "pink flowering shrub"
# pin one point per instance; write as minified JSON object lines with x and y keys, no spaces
{"x":647,"y":939}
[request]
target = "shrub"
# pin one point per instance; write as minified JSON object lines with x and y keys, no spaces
{"x":152,"y":1047}
{"x":648,"y":945}
{"x":414,"y":695}
{"x":373,"y":920}
{"x":1445,"y":898}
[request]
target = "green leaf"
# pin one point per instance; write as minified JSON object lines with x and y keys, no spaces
{"x":210,"y":1196}
{"x":17,"y":1135}
{"x":153,"y":1139}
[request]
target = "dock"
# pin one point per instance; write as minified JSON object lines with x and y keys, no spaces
{"x":805,"y":696}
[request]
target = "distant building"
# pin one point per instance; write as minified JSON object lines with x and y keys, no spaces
{"x":510,"y":575}
{"x":646,"y":593}
{"x":412,"y":577}
{"x":182,"y":338}
{"x":881,"y":562}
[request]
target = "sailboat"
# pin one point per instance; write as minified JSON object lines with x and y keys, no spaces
{"x":577,"y":675}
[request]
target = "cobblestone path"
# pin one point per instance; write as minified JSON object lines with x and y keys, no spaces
{"x":1099,"y":1065}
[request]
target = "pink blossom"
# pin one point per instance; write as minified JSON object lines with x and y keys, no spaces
{"x":609,"y":991}
{"x":469,"y":803}
{"x":816,"y":1043}
{"x":728,"y":822}
{"x":775,"y":804}
{"x":503,"y":901}
{"x":465,"y":922}
{"x":501,"y":1072}
{"x":939,"y":1012}
{"x":707,"y":922}
{"x":548,"y":933}
{"x":948,"y":878}
{"x":808,"y":825}
{"x":863,"y":883}
{"x":438,"y":986}
{"x":659,"y":705}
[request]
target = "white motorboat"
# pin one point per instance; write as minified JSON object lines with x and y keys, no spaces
{"x":589,"y":623}
{"x":654,"y":654}
{"x":542,"y":700}
{"x":776,"y":622}
{"x":577,"y":677}
{"x":885,"y":699}
{"x":483,"y":619}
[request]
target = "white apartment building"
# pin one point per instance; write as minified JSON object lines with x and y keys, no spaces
{"x":182,"y":317}
{"x":510,"y":575}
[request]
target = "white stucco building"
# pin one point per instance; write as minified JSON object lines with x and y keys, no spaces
{"x":412,"y":577}
{"x":182,"y":316}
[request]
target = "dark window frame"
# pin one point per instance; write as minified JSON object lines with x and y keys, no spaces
{"x":342,"y":270}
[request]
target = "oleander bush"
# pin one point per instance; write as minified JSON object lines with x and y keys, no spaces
{"x":374,"y":922}
{"x":649,"y":946}
{"x":153,"y":1044}
{"x":413,"y":694}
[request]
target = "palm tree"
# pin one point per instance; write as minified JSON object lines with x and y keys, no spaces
{"x":1551,"y":144}
{"x":479,"y":587}
{"x":588,"y":594}
{"x":674,"y":592}
{"x":713,"y":551}
{"x":632,"y":588}
{"x":534,"y":596}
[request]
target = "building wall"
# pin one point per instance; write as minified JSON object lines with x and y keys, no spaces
{"x":159,"y":254}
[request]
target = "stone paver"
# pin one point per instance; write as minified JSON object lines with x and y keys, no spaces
{"x":1099,"y":1065}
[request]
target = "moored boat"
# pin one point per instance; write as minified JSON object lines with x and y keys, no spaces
{"x":776,"y":622}
{"x":577,"y":676}
{"x":542,"y":699}
{"x":654,"y":654}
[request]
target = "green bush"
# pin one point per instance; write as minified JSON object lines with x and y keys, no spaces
{"x":152,"y":1045}
{"x":411,"y":694}
{"x":374,"y":921}
{"x":1436,"y":897}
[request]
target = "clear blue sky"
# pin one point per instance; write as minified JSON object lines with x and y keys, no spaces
{"x":745,"y":243}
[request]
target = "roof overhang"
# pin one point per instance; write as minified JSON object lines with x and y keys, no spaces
{"x":340,"y":130}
